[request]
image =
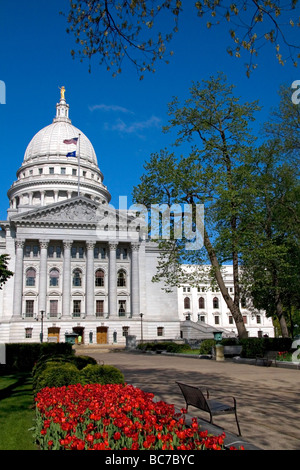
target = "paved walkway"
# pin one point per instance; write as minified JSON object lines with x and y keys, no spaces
{"x":268,"y":398}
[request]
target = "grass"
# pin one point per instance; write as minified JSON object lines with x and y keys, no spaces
{"x":17,"y":412}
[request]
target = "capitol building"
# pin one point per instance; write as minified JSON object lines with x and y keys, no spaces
{"x":83,"y":268}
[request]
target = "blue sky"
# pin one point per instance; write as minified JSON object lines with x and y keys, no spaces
{"x":122,"y":116}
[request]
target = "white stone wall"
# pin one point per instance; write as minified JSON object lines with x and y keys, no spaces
{"x":220,"y":317}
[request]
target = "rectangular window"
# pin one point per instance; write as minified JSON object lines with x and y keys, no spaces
{"x":99,"y":308}
{"x":35,"y":251}
{"x":73,"y":251}
{"x":62,"y":171}
{"x":96,"y":252}
{"x":74,"y":172}
{"x":258,"y":319}
{"x":76,"y":308}
{"x":58,"y":252}
{"x":231,"y":320}
{"x":160,"y":331}
{"x":125,"y":330}
{"x":28,"y":332}
{"x":27,"y":251}
{"x":217,"y":320}
{"x":51,"y":171}
{"x":51,"y":251}
{"x":245,"y":318}
{"x":122,"y":308}
{"x":29,"y":305}
{"x":53,"y":308}
{"x":81,"y":251}
{"x":40,"y":171}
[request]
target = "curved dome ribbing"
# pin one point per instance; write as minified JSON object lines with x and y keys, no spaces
{"x":50,"y":141}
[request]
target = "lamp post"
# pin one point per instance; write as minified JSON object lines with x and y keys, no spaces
{"x":42,"y":318}
{"x":141,"y":315}
{"x":219,"y":347}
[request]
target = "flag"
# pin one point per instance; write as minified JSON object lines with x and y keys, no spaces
{"x":71,"y":154}
{"x":71,"y":141}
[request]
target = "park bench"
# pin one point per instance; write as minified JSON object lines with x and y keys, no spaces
{"x":266,"y":358}
{"x":193,"y":396}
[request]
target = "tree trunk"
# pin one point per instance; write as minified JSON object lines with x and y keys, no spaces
{"x":234,"y":308}
{"x":281,"y":318}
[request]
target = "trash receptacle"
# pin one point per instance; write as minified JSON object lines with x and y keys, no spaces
{"x":70,"y":337}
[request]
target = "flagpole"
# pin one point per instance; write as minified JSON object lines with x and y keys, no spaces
{"x":79,"y":165}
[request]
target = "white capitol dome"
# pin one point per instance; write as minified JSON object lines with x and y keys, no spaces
{"x":49,"y":175}
{"x":50,"y":141}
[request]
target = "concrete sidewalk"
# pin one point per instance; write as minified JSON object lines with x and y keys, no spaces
{"x":268,"y":398}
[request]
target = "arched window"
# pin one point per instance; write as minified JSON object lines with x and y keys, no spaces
{"x":99,"y":278}
{"x":54,"y":277}
{"x":187,"y":302}
{"x":121,"y":278}
{"x":30,"y":277}
{"x":201,"y":302}
{"x":77,"y":278}
{"x":215,"y":302}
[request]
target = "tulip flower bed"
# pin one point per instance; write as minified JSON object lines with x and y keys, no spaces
{"x":114,"y":417}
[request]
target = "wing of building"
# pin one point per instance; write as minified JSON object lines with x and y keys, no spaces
{"x":81,"y":267}
{"x":202,"y":309}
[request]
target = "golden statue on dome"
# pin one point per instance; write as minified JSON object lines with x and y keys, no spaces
{"x":62,"y":92}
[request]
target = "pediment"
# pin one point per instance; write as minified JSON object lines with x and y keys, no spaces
{"x":78,"y":211}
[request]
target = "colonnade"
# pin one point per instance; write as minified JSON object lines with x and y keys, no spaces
{"x":67,"y":279}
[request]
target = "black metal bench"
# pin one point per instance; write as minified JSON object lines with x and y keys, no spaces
{"x":267,"y":358}
{"x":193,"y":396}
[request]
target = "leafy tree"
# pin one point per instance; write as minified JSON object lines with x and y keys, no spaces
{"x":274,"y":260}
{"x":117,"y":29}
{"x":114,"y":30}
{"x":284,"y":125}
{"x":5,"y":273}
{"x":215,"y":173}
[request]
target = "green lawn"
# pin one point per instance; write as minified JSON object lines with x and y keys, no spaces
{"x":16,"y":412}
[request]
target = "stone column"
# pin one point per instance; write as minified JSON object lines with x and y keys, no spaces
{"x":66,"y":297}
{"x":112,"y":280}
{"x":18,"y":279}
{"x":135,"y":280}
{"x":90,"y":280}
{"x":43,"y":275}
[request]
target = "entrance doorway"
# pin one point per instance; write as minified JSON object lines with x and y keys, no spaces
{"x":102,"y":334}
{"x":53,"y":334}
{"x":79,"y":330}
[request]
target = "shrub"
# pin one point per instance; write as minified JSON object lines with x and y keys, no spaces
{"x":164,"y":345}
{"x":105,"y":374}
{"x":229,"y":342}
{"x":178,"y":348}
{"x":206,"y":345}
{"x":45,"y":362}
{"x":83,"y":361}
{"x":21,"y":357}
{"x":257,"y":346}
{"x":57,"y":375}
